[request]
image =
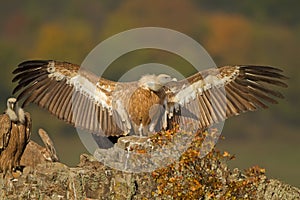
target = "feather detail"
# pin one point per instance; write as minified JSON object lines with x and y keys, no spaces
{"x":245,"y":89}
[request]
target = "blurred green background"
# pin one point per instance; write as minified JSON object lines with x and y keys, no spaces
{"x":233,"y":32}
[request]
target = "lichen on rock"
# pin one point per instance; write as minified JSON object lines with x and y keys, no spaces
{"x":192,"y":176}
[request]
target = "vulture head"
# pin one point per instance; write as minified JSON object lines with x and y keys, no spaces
{"x":15,"y":113}
{"x":155,"y":82}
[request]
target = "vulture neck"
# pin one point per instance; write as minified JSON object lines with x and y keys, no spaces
{"x":20,"y":114}
{"x":11,"y":114}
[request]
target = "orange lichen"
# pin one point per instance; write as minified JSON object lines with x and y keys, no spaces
{"x":194,"y":177}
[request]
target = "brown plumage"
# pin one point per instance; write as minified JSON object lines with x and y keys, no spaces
{"x":15,"y":130}
{"x":150,"y":104}
{"x":148,"y":113}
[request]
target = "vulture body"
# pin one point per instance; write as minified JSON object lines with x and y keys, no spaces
{"x":153,"y":103}
{"x":15,"y":130}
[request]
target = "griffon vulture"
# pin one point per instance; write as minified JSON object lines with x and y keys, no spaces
{"x":153,"y":103}
{"x":15,"y":130}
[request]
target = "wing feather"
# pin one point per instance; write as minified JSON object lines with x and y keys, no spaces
{"x":65,"y":99}
{"x":241,"y":96}
{"x":75,"y":107}
{"x":5,"y":127}
{"x":227,"y":91}
{"x":47,"y":97}
{"x":68,"y":106}
{"x":54,"y":103}
{"x":104,"y":119}
{"x":74,"y":95}
{"x":231,"y":104}
{"x":28,"y":127}
{"x":204,"y":112}
{"x":255,"y":77}
{"x":213,"y":107}
{"x":62,"y":105}
{"x":88,"y":115}
{"x":207,"y":108}
{"x":109,"y":123}
{"x":40,"y":87}
{"x":96,"y":118}
{"x":262,"y":95}
{"x":93,"y":117}
{"x":81,"y":111}
{"x":218,"y":100}
{"x":101,"y":118}
{"x":236,"y":99}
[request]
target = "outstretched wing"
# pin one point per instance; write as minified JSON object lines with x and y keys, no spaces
{"x":216,"y":94}
{"x":75,"y":96}
{"x":5,"y":127}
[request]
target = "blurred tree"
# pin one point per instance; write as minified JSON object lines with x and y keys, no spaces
{"x":267,"y":11}
{"x":179,"y":15}
{"x":70,"y":40}
{"x":228,"y":35}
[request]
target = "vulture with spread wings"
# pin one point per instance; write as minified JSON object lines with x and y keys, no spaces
{"x":152,"y":103}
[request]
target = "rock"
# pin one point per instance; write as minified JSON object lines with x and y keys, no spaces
{"x":35,"y":154}
{"x":191,"y":177}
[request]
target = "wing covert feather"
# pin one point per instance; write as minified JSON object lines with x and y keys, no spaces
{"x":5,"y":126}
